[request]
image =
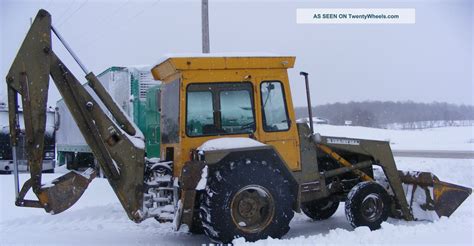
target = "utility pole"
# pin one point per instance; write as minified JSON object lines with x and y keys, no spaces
{"x":205,"y":26}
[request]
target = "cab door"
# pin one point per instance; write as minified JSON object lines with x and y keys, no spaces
{"x":277,"y":127}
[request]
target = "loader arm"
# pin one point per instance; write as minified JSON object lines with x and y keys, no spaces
{"x":413,"y":191}
{"x":118,"y":147}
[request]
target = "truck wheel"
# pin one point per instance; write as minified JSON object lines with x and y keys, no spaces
{"x":249,"y":199}
{"x":368,"y":204}
{"x":320,"y":209}
{"x":7,"y":170}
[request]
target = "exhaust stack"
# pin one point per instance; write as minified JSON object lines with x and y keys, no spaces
{"x":308,"y":98}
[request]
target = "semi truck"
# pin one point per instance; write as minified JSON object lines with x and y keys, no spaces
{"x":6,"y":154}
{"x":234,"y":162}
{"x":135,"y":91}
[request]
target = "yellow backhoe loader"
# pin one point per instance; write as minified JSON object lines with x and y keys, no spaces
{"x":234,"y":160}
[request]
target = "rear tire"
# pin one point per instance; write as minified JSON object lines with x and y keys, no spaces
{"x":320,"y":209}
{"x":249,"y":199}
{"x":368,"y":204}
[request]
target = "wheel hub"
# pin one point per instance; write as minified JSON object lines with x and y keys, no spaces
{"x":252,"y":208}
{"x":248,"y":207}
{"x":372,"y":207}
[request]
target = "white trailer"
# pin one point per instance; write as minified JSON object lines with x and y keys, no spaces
{"x":128,"y":86}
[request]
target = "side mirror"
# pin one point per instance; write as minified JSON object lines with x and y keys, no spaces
{"x":270,"y":87}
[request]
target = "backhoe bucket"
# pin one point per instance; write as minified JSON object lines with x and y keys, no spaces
{"x":64,"y":191}
{"x":429,"y":198}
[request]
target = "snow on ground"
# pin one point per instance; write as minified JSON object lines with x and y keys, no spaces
{"x":443,"y":138}
{"x":98,"y":219}
{"x":456,"y":230}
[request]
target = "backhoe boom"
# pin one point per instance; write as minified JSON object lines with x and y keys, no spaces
{"x":118,"y":152}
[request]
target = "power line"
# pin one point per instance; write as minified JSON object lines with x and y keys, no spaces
{"x":143,"y":10}
{"x":129,"y":20}
{"x":73,"y":13}
{"x":67,"y":10}
{"x":102,"y":21}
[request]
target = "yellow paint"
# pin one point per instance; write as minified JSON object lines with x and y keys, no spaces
{"x":43,"y":198}
{"x":232,"y":69}
{"x":343,"y":162}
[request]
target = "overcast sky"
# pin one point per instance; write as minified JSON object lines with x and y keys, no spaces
{"x":423,"y":62}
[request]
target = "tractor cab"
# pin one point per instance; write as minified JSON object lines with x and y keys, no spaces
{"x":205,"y":98}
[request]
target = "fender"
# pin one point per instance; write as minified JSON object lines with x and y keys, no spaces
{"x":192,"y":173}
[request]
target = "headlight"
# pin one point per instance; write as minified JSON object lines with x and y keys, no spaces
{"x":49,"y":155}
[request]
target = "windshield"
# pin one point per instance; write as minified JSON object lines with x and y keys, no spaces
{"x":219,"y":109}
{"x":275,"y":115}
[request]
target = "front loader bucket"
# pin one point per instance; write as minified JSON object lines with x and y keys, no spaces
{"x":429,"y":198}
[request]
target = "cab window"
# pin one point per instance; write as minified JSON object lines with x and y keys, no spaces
{"x":275,"y":115}
{"x":219,"y":109}
{"x":199,"y":112}
{"x":170,"y":113}
{"x":236,"y":111}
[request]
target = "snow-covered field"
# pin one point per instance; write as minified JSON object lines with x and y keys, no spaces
{"x":443,"y":138}
{"x":98,"y":218}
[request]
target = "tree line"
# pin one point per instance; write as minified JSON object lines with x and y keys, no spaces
{"x":381,"y":114}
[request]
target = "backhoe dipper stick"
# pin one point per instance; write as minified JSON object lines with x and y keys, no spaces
{"x":119,"y":156}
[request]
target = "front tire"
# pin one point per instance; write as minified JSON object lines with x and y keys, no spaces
{"x":368,"y":204}
{"x":249,"y":199}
